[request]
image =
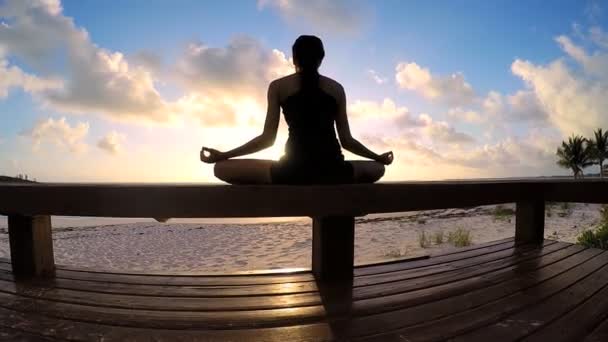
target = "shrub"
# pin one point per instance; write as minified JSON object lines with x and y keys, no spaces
{"x":424,"y":240}
{"x":566,"y":209}
{"x":595,"y":239}
{"x":501,"y":212}
{"x":394,"y":252}
{"x":438,"y":237}
{"x":460,"y":237}
{"x":604,"y":214}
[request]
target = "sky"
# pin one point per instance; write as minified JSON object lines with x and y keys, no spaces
{"x":129,"y":91}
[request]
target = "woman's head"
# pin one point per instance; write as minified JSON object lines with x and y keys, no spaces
{"x":308,"y":53}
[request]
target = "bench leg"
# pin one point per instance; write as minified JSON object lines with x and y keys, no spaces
{"x":333,"y":247}
{"x":31,"y":246}
{"x":530,"y":222}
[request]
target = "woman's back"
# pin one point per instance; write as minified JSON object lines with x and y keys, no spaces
{"x":312,"y":152}
{"x":310,"y":114}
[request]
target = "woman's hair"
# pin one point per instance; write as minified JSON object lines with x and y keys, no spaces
{"x":308,"y":53}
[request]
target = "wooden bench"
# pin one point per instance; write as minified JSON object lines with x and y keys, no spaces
{"x":514,"y":288}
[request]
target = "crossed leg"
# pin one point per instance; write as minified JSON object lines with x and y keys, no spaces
{"x":257,"y":171}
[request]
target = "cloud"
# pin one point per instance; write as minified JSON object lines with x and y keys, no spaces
{"x":227,"y":85}
{"x":14,"y":77}
{"x":387,"y":109}
{"x":97,"y":80}
{"x":332,"y":16}
{"x":377,"y":78}
{"x":244,"y":66}
{"x":59,"y":133}
{"x":575,"y":102}
{"x":112,"y":142}
{"x":400,"y":117}
{"x":452,"y":89}
{"x":442,"y":132}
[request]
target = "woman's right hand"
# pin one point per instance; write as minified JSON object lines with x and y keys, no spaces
{"x":210,"y":155}
{"x":385,"y":158}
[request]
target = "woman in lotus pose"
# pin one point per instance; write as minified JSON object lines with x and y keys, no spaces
{"x":311,"y":103}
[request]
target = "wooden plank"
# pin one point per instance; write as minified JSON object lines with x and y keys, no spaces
{"x":523,"y":323}
{"x":432,"y":303}
{"x":184,"y":304}
{"x":578,"y":322}
{"x":333,"y":247}
{"x":456,"y":324}
{"x":243,"y":290}
{"x":31,"y":245}
{"x":530,"y":221}
{"x":228,"y":280}
{"x":148,"y":301}
{"x":434,"y":260}
{"x":76,"y":330}
{"x":150,"y":200}
{"x":599,"y":334}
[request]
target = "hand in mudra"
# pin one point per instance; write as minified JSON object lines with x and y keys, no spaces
{"x":385,"y":158}
{"x":210,"y":155}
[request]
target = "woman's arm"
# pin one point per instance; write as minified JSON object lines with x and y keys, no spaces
{"x":261,"y":142}
{"x":348,"y":142}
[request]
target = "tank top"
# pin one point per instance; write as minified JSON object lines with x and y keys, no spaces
{"x":310,"y":115}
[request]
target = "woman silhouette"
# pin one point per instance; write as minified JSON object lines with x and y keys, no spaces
{"x":311,"y":104}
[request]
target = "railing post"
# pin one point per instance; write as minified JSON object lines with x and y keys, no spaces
{"x":333,"y":247}
{"x":31,"y":246}
{"x":530,"y":221}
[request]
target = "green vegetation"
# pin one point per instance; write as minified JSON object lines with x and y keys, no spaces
{"x":501,"y":213}
{"x":460,"y":237}
{"x":424,"y":240}
{"x":575,"y":155}
{"x":597,"y":238}
{"x":438,"y":237}
{"x":580,"y":152}
{"x":599,"y":149}
{"x":394,"y":252}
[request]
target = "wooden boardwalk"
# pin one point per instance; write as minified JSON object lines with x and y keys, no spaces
{"x":495,"y":291}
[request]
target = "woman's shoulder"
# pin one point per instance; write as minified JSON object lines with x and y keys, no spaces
{"x":331,"y":86}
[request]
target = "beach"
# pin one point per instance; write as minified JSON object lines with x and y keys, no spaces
{"x":177,"y":246}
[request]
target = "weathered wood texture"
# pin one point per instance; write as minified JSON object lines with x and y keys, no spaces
{"x":333,"y":247}
{"x":499,"y":291}
{"x":31,"y":246}
{"x":530,"y":221}
{"x":181,"y":200}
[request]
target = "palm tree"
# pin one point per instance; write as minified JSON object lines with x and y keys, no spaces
{"x":575,"y":155}
{"x":599,"y":149}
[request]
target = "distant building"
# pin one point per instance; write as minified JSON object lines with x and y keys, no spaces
{"x":605,"y":171}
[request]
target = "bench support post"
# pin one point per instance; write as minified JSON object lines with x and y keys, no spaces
{"x":333,"y":247}
{"x":31,"y":246}
{"x":530,"y":222}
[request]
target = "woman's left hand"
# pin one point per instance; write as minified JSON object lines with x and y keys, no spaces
{"x":210,"y":155}
{"x":385,"y":158}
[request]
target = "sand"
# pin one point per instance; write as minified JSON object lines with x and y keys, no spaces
{"x":219,"y":248}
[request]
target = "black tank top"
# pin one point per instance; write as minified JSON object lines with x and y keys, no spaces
{"x":310,"y":115}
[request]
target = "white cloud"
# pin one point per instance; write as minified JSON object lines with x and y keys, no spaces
{"x":377,"y":78}
{"x":595,"y":65}
{"x":466,"y":115}
{"x":14,"y":77}
{"x":442,"y":132}
{"x":244,"y":66}
{"x":59,"y":133}
{"x":398,"y":117}
{"x":452,"y":89}
{"x":97,"y":80}
{"x":112,"y":142}
{"x":332,"y":16}
{"x":575,"y":102}
{"x":227,"y":85}
{"x":387,"y":109}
